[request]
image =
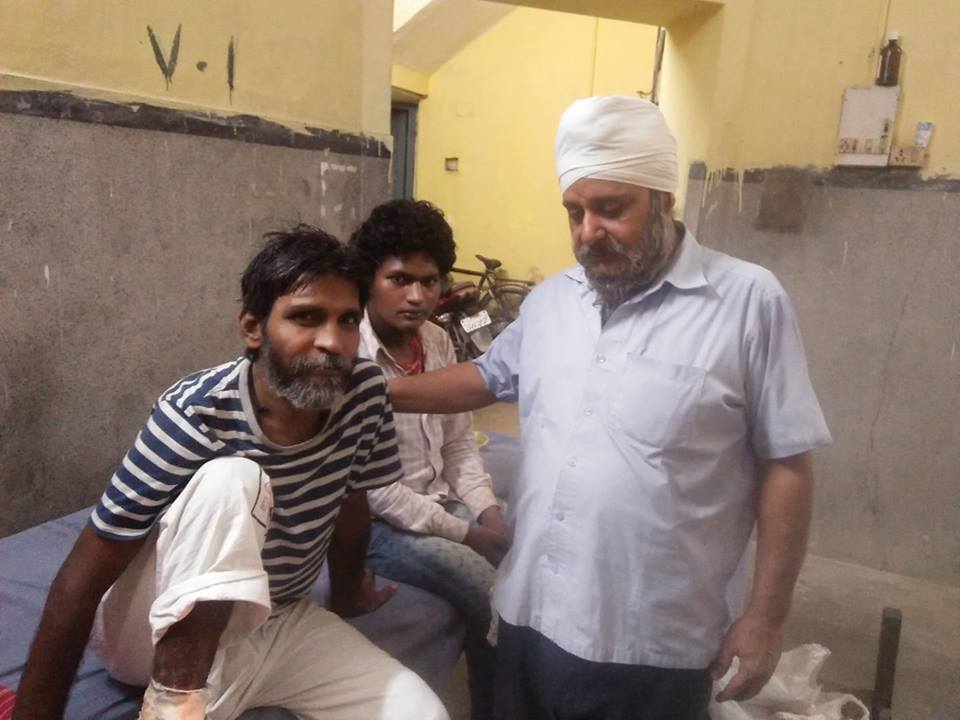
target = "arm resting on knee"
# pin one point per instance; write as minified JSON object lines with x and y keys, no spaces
{"x":351,"y":586}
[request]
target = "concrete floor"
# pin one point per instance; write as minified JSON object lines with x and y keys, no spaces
{"x":838,"y":605}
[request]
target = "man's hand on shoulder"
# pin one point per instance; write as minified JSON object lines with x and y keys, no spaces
{"x":365,"y":600}
{"x":491,"y":538}
{"x":758,"y":643}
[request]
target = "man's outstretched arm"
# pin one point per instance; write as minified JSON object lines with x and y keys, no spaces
{"x":783,"y":523}
{"x":453,"y":389}
{"x":88,"y":572}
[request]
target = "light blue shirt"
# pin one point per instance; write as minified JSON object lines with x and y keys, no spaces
{"x":637,"y":493}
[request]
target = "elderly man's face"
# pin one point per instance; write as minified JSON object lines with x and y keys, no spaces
{"x":622,"y":234}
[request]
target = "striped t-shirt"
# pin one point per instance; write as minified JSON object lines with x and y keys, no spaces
{"x":209,"y":415}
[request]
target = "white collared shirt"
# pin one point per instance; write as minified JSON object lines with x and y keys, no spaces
{"x":438,"y":452}
{"x":637,"y":492}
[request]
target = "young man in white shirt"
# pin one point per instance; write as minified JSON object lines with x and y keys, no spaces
{"x":440,"y":528}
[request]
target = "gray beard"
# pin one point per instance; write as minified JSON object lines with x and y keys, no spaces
{"x":296,"y":385}
{"x":644,"y":261}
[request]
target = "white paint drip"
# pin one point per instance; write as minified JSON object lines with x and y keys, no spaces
{"x":60,"y":310}
{"x":10,"y":224}
{"x":323,"y":211}
{"x":46,"y":274}
{"x":846,"y":247}
{"x":713,"y":179}
{"x":953,"y":352}
{"x":338,"y":207}
{"x":740,"y":192}
{"x":338,"y":167}
{"x":110,"y":188}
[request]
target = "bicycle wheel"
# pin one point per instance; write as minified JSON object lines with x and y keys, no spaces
{"x":508,"y":299}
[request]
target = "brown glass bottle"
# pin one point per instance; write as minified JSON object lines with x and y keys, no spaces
{"x":889,"y":73}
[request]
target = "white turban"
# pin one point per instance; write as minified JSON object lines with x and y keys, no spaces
{"x":619,"y":138}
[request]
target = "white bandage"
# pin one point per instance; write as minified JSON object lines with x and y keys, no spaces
{"x":618,"y":138}
{"x":164,"y":703}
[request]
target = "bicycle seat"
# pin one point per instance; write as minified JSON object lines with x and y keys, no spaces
{"x":491,"y":263}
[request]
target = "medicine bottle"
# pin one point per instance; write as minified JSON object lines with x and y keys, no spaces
{"x":889,"y":73}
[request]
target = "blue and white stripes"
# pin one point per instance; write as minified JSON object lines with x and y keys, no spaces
{"x":207,"y":415}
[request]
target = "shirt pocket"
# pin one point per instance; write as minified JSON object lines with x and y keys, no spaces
{"x":654,"y":402}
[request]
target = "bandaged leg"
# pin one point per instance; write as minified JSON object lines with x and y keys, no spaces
{"x":163,"y":703}
{"x":206,"y":547}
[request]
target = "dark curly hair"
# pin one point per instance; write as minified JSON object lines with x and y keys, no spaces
{"x":400,"y":227}
{"x":292,"y":259}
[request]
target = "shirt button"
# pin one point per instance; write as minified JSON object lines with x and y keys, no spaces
{"x":572,"y":462}
{"x":560,"y":516}
{"x":588,"y":412}
{"x":601,"y":359}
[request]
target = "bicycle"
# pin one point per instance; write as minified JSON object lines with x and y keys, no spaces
{"x":500,"y":297}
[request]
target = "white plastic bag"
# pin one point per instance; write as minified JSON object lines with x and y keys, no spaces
{"x":793,"y":693}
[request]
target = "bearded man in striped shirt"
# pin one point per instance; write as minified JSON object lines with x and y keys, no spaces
{"x":197,"y":561}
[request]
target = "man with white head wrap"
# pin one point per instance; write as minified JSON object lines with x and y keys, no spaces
{"x":666,"y":410}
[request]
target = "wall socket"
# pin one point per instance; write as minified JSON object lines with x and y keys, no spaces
{"x":908,"y":156}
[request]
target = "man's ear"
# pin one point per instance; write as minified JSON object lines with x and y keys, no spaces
{"x":669,"y":201}
{"x":251,"y":331}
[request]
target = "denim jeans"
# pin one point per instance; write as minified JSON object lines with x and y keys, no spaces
{"x":457,"y":574}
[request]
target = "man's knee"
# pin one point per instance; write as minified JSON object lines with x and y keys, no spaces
{"x":410,"y":698}
{"x":231,"y":482}
{"x":237,"y":474}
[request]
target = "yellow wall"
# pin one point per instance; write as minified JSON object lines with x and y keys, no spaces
{"x":495,"y":106}
{"x":760,"y":82}
{"x":411,"y":80}
{"x":931,"y":62}
{"x":300,"y":62}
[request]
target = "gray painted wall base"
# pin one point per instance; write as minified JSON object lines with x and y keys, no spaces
{"x":120,"y":256}
{"x":875,"y":277}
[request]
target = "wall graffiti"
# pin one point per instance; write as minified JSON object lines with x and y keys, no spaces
{"x":231,"y":63}
{"x":168,"y":64}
